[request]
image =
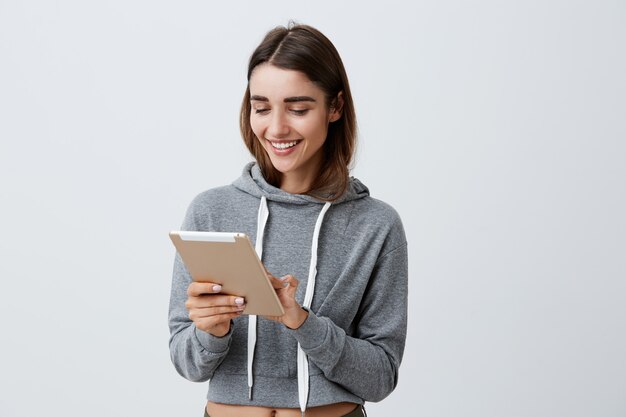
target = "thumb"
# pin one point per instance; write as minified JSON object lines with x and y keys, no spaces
{"x":283,"y":282}
{"x":289,"y":281}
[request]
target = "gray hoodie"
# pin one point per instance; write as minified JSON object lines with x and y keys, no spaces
{"x":355,"y":332}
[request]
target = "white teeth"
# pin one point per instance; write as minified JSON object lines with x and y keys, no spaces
{"x":283,"y":145}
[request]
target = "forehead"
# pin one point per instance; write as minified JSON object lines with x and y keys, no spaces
{"x":278,"y":83}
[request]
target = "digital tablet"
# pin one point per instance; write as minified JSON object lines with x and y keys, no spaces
{"x":230,"y":260}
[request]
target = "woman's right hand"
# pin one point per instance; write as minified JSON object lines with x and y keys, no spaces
{"x":210,"y":310}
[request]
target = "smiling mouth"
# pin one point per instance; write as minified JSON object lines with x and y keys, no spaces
{"x":284,"y":145}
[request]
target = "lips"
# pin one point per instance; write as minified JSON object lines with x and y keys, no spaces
{"x":283,"y":147}
{"x":283,"y":144}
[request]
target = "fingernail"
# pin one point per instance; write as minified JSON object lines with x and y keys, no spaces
{"x":284,"y":278}
{"x":217,"y":288}
{"x":241,"y":307}
{"x":285,"y":284}
{"x":238,"y":300}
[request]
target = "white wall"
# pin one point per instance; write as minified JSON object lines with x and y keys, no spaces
{"x":497,"y":129}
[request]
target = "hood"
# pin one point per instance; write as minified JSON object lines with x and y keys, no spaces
{"x":252,"y":182}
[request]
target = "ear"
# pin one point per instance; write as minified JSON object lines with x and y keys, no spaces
{"x":336,"y":108}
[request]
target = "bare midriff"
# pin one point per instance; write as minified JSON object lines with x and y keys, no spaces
{"x":227,"y":410}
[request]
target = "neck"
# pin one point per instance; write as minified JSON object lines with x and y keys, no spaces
{"x":296,"y":184}
{"x":299,"y":181}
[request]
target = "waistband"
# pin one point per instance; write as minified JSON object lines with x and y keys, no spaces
{"x":357,"y":412}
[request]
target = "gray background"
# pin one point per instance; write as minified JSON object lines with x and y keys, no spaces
{"x":496,"y":129}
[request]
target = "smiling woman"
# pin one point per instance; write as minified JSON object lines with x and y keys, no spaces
{"x":290,"y":119}
{"x":341,"y":339}
{"x":297,"y":72}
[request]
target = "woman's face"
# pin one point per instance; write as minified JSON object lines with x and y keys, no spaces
{"x":290,"y":118}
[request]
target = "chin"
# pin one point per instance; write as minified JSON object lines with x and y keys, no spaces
{"x":282,"y":168}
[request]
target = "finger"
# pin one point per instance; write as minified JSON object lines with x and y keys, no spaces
{"x":289,"y":281}
{"x":198,"y":288}
{"x":213,"y":300}
{"x":201,"y":313}
{"x":212,"y":321}
{"x":279,"y":283}
{"x":287,"y":294}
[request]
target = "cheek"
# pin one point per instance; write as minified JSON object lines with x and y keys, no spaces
{"x":317,"y":129}
{"x":256,"y":127}
{"x":310,"y":128}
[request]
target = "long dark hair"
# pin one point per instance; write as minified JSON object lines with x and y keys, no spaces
{"x":303,"y":48}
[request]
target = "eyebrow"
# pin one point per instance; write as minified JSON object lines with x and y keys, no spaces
{"x":286,"y":100}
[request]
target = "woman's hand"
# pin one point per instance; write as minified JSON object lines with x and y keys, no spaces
{"x":211,"y":311}
{"x":285,"y":288}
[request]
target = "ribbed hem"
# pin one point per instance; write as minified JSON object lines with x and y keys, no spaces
{"x":275,"y":392}
{"x":212,"y":343}
{"x":312,"y":332}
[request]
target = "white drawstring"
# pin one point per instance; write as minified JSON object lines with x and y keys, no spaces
{"x":303,"y":362}
{"x":258,"y":247}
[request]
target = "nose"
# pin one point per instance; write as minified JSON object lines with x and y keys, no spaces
{"x":278,"y":127}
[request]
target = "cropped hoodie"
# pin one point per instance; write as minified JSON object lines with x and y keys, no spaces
{"x":350,"y":257}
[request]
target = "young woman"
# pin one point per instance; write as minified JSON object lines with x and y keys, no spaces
{"x":336,"y":256}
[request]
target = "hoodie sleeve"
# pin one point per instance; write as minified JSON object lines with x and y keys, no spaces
{"x":194,"y":353}
{"x":367,"y":363}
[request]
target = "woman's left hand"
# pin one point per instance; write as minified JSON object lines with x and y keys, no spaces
{"x":285,"y":288}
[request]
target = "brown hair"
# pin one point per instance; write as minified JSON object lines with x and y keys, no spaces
{"x":305,"y":49}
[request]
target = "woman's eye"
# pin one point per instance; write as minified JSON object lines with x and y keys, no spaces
{"x":261,"y":111}
{"x":300,"y":112}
